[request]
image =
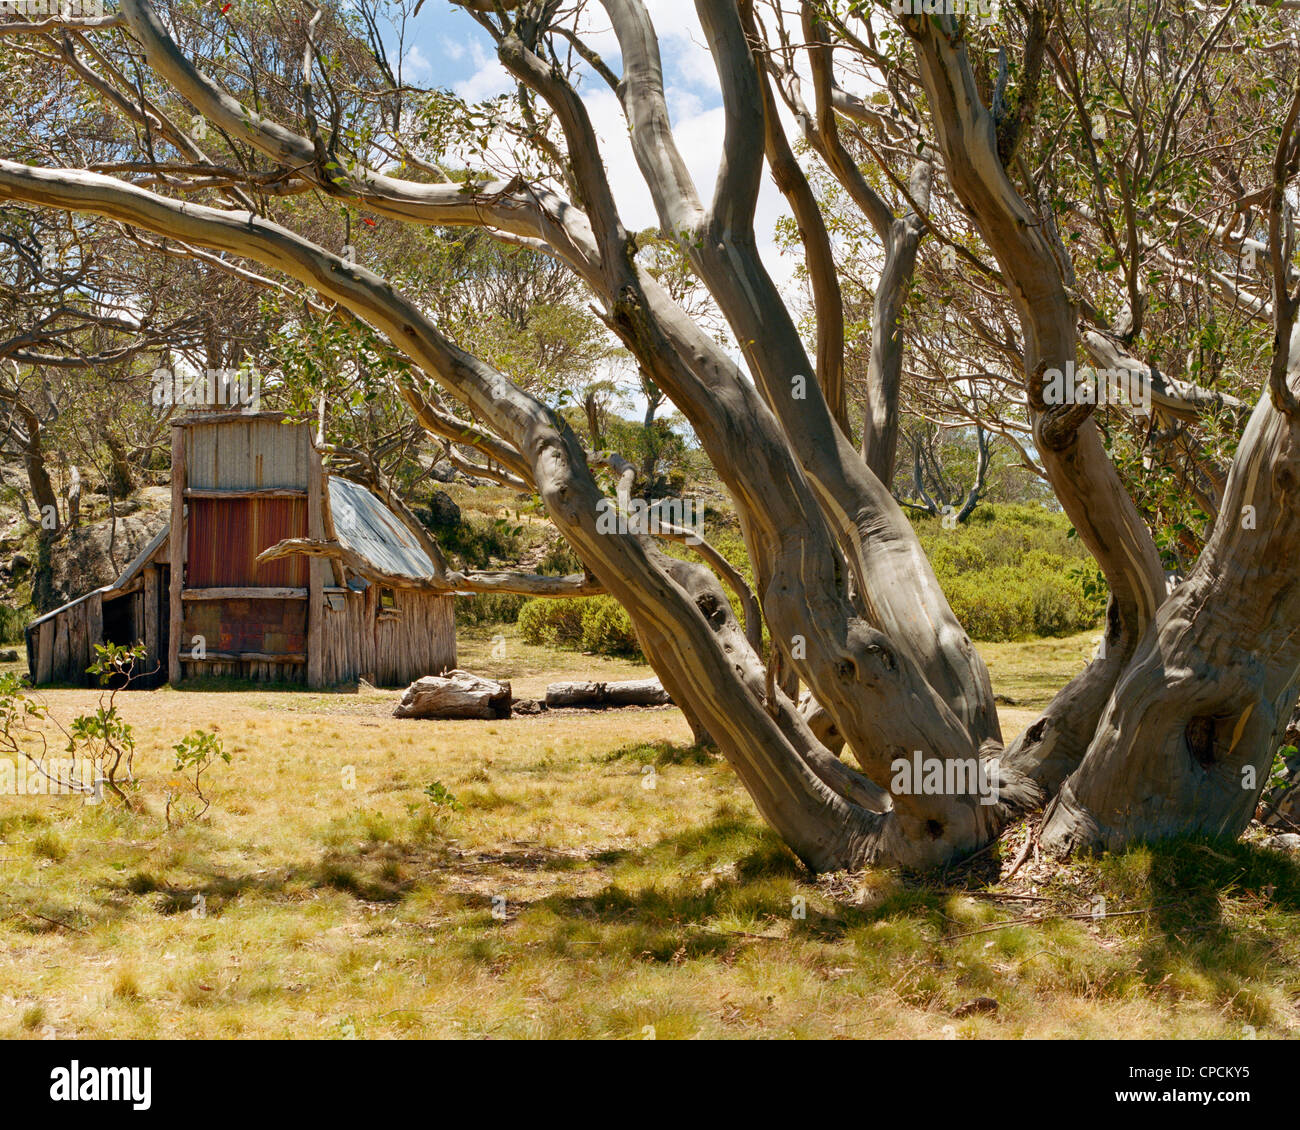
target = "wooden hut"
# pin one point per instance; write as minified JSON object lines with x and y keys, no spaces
{"x":204,"y":606}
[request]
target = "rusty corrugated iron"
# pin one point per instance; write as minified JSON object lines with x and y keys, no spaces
{"x":227,"y":534}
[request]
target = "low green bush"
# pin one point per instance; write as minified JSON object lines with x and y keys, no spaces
{"x":607,"y":628}
{"x":489,"y":608}
{"x":1015,"y":571}
{"x":597,"y":624}
{"x":12,"y":623}
{"x":1011,"y":604}
{"x":552,"y":623}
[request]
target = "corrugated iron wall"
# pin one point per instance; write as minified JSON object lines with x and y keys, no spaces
{"x":267,"y":627}
{"x":227,"y":534}
{"x":247,"y":454}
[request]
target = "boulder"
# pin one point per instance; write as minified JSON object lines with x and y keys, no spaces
{"x":457,"y":694}
{"x":443,"y":511}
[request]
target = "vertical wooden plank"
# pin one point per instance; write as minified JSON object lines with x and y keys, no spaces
{"x":45,"y":653}
{"x":76,"y":620}
{"x":315,"y":579}
{"x":149,"y":619}
{"x":444,"y":631}
{"x":62,"y":665}
{"x":369,"y":635}
{"x":94,"y":630}
{"x":177,"y":541}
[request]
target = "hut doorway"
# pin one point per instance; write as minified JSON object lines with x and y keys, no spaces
{"x":121,"y":621}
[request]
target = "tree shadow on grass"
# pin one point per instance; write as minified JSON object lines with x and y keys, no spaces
{"x":1181,"y":888}
{"x":661,"y":754}
{"x":1218,"y":909}
{"x":1214,"y":911}
{"x":732,"y":869}
{"x":376,"y":871}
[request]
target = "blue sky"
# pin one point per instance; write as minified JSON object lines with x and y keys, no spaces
{"x":446,"y":47}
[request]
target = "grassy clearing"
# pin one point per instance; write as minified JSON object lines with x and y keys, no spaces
{"x":560,"y":896}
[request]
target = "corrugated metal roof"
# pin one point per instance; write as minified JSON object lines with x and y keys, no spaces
{"x":366,"y":526}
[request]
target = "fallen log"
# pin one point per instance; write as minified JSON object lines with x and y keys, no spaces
{"x":632,"y":692}
{"x":457,"y":694}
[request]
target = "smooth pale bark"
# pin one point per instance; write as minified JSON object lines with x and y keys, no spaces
{"x":629,"y":692}
{"x":914,"y":620}
{"x":1200,"y":689}
{"x":880,"y":408}
{"x":819,"y":256}
{"x":899,"y":235}
{"x":729,"y":573}
{"x":1069,"y":445}
{"x":1183,"y":400}
{"x":1187,"y":740}
{"x":797,"y":570}
{"x":448,"y":581}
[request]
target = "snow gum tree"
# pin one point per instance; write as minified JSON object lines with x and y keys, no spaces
{"x":1110,"y":188}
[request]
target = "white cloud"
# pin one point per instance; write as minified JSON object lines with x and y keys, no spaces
{"x":416,"y":65}
{"x":489,"y":77}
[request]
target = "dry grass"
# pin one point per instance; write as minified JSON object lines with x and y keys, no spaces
{"x":300,"y":907}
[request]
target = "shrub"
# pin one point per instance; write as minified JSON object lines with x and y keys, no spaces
{"x":552,"y":623}
{"x":559,"y":560}
{"x":1015,"y":571}
{"x":12,"y":623}
{"x":489,"y":608}
{"x":607,"y":628}
{"x":1015,"y":602}
{"x":597,"y":623}
{"x":477,"y":540}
